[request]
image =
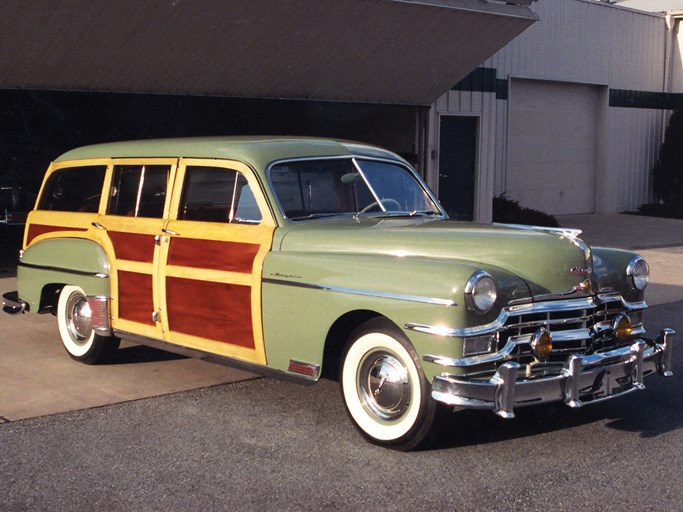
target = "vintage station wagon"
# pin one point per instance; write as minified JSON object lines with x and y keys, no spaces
{"x":309,"y":258}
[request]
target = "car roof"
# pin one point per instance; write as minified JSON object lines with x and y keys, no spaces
{"x":257,"y":151}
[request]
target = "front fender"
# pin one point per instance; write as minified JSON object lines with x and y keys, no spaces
{"x":305,"y":293}
{"x":609,"y":269}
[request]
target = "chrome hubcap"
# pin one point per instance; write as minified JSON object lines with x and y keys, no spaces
{"x":384,"y":386}
{"x":78,"y":319}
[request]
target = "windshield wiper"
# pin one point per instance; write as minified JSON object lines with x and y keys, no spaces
{"x":424,"y":213}
{"x":311,"y":216}
{"x":390,"y":214}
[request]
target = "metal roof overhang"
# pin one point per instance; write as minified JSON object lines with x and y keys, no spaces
{"x":373,"y":51}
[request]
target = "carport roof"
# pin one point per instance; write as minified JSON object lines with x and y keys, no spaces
{"x":375,"y":51}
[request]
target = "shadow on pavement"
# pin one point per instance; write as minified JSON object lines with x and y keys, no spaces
{"x":142,"y":354}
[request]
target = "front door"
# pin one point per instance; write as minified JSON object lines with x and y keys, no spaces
{"x":457,"y":161}
{"x":212,"y":251}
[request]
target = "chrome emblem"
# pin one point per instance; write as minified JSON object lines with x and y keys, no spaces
{"x":583,"y":287}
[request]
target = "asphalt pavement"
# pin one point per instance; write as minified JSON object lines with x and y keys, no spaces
{"x":263,"y":444}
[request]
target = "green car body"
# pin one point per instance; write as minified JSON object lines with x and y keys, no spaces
{"x":405,"y":307}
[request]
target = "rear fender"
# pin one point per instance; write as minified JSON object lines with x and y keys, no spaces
{"x":46,"y":266}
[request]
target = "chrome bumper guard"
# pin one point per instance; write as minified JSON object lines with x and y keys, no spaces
{"x":582,"y":380}
{"x":12,"y":304}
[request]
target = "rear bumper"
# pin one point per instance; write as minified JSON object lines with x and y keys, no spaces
{"x":12,"y":304}
{"x":580,"y":381}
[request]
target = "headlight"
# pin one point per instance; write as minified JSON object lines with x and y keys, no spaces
{"x":480,"y":292}
{"x":638,"y":273}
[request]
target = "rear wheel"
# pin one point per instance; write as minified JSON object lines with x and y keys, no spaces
{"x":384,"y":388}
{"x":76,"y":330}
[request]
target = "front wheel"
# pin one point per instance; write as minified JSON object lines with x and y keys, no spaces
{"x":75,"y":328}
{"x":384,"y":388}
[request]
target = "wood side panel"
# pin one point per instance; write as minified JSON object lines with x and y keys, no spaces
{"x":216,"y":255}
{"x":136,"y":301}
{"x":132,"y":246}
{"x":216,"y":311}
{"x":35,"y":230}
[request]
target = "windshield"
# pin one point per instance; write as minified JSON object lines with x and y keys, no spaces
{"x":320,"y":188}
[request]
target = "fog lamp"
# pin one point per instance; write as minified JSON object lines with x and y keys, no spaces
{"x":622,"y":326}
{"x":542,"y":344}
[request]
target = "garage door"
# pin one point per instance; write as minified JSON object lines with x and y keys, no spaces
{"x":552,"y":146}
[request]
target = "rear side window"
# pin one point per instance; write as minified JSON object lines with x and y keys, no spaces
{"x":216,"y":194}
{"x":138,"y":190}
{"x":73,"y":189}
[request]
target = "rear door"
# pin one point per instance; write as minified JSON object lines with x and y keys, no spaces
{"x":212,"y":250}
{"x":135,"y":213}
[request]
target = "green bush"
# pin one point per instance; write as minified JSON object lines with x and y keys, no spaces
{"x":667,"y":174}
{"x":508,"y":211}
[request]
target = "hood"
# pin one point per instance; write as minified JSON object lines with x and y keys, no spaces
{"x":550,"y":262}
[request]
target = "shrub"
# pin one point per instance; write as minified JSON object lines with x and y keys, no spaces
{"x":509,"y":211}
{"x":667,"y":174}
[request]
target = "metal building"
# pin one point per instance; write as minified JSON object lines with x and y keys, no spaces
{"x":567,"y":118}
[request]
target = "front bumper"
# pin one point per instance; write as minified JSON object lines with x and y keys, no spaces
{"x":581,"y":380}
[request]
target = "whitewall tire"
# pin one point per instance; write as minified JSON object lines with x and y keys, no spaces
{"x":75,"y":328}
{"x":384,"y":388}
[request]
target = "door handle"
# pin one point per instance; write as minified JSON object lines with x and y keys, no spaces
{"x":169,"y":232}
{"x":98,"y":225}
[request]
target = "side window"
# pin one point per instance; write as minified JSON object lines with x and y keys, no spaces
{"x":73,"y":189}
{"x":138,"y":190}
{"x":216,"y":194}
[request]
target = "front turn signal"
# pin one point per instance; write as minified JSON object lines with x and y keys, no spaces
{"x":542,"y":344}
{"x":622,"y":326}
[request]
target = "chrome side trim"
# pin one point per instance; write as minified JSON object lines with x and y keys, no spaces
{"x":365,"y":293}
{"x":100,"y":275}
{"x":532,"y":307}
{"x":213,"y":358}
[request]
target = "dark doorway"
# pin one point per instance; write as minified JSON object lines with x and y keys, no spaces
{"x":457,"y":164}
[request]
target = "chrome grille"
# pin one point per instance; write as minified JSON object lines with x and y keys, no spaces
{"x":575,"y":325}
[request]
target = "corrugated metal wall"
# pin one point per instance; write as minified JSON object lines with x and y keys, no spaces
{"x":588,"y":42}
{"x":580,"y":42}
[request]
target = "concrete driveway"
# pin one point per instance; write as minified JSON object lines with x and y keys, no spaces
{"x":39,"y":378}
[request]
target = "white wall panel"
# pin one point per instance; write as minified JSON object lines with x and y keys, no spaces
{"x":588,"y":42}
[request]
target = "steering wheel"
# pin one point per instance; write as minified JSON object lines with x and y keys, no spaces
{"x":384,"y":201}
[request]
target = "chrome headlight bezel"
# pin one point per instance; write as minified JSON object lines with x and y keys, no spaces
{"x":480,"y":292}
{"x":638,"y":274}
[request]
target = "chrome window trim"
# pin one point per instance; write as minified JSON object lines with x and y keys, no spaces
{"x":365,"y":293}
{"x":354,"y":158}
